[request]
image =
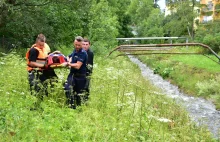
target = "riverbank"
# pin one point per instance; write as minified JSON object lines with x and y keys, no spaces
{"x":196,"y":75}
{"x":123,"y":107}
{"x":201,"y":111}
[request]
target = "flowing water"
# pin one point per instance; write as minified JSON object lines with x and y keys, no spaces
{"x":201,"y":111}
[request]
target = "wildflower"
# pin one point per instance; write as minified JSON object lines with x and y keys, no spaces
{"x":164,"y":120}
{"x":156,"y":93}
{"x":114,"y":129}
{"x":2,"y":63}
{"x":22,"y":93}
{"x":132,"y":125}
{"x":129,"y":94}
{"x":120,"y":105}
{"x":151,"y":116}
{"x":95,"y":65}
{"x":114,"y":78}
{"x":14,"y":91}
{"x":7,"y":93}
{"x":110,"y":68}
{"x":61,"y":76}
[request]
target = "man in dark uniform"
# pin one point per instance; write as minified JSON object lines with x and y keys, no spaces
{"x":89,"y":66}
{"x":37,"y":68}
{"x":76,"y":80}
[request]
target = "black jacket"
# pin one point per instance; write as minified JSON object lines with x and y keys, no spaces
{"x":89,"y":62}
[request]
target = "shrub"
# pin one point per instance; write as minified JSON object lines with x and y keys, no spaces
{"x":166,"y":72}
{"x":211,"y":87}
{"x":213,"y":41}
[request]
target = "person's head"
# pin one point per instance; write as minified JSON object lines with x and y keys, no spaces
{"x":86,"y":44}
{"x":40,"y":40}
{"x":78,"y":42}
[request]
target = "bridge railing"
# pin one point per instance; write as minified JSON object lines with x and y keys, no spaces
{"x":154,"y":38}
{"x":149,"y":47}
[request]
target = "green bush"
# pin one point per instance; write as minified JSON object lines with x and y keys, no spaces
{"x":209,"y":34}
{"x":165,"y":73}
{"x":211,"y":87}
{"x":213,"y":41}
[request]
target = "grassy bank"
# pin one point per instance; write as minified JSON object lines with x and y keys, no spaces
{"x":196,"y":75}
{"x":123,"y":107}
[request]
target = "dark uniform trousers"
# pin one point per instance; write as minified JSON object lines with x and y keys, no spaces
{"x":74,"y":86}
{"x":87,"y":85}
{"x":37,"y":79}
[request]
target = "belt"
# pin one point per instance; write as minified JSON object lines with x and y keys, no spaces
{"x":37,"y":71}
{"x":79,"y":75}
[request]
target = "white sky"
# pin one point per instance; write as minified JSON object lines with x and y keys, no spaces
{"x":162,"y":4}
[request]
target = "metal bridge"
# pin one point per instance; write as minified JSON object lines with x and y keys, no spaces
{"x":154,"y":38}
{"x":133,"y":49}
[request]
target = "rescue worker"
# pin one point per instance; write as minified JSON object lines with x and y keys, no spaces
{"x":89,"y":66}
{"x":76,"y":79}
{"x":37,"y":66}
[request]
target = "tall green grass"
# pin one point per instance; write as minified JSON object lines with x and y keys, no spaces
{"x":123,"y":107}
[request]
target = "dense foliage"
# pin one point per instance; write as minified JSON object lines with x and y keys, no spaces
{"x":101,"y":21}
{"x":61,"y":20}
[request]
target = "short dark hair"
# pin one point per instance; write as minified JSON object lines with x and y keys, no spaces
{"x":78,"y":38}
{"x":86,"y":40}
{"x":41,"y":38}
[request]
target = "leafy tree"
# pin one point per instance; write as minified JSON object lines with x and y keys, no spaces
{"x":102,"y":24}
{"x":146,"y":17}
{"x":59,"y":20}
{"x":140,"y":10}
{"x":124,"y":19}
{"x":152,"y":26}
{"x":209,"y":34}
{"x":181,"y":21}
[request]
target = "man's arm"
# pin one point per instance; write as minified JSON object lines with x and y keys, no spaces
{"x":82,"y":57}
{"x":35,"y":64}
{"x":33,"y":58}
{"x":76,"y":65}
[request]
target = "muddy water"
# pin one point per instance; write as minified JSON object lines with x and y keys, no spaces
{"x":201,"y":111}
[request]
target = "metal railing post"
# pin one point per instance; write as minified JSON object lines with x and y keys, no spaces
{"x":187,"y":41}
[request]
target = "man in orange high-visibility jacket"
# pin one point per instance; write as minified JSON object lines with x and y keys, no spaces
{"x":37,"y":66}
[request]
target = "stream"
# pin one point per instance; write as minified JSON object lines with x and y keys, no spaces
{"x":201,"y":111}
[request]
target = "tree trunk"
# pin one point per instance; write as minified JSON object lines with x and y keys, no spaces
{"x":192,"y":32}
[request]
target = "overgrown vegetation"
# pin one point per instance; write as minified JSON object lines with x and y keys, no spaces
{"x":123,"y":107}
